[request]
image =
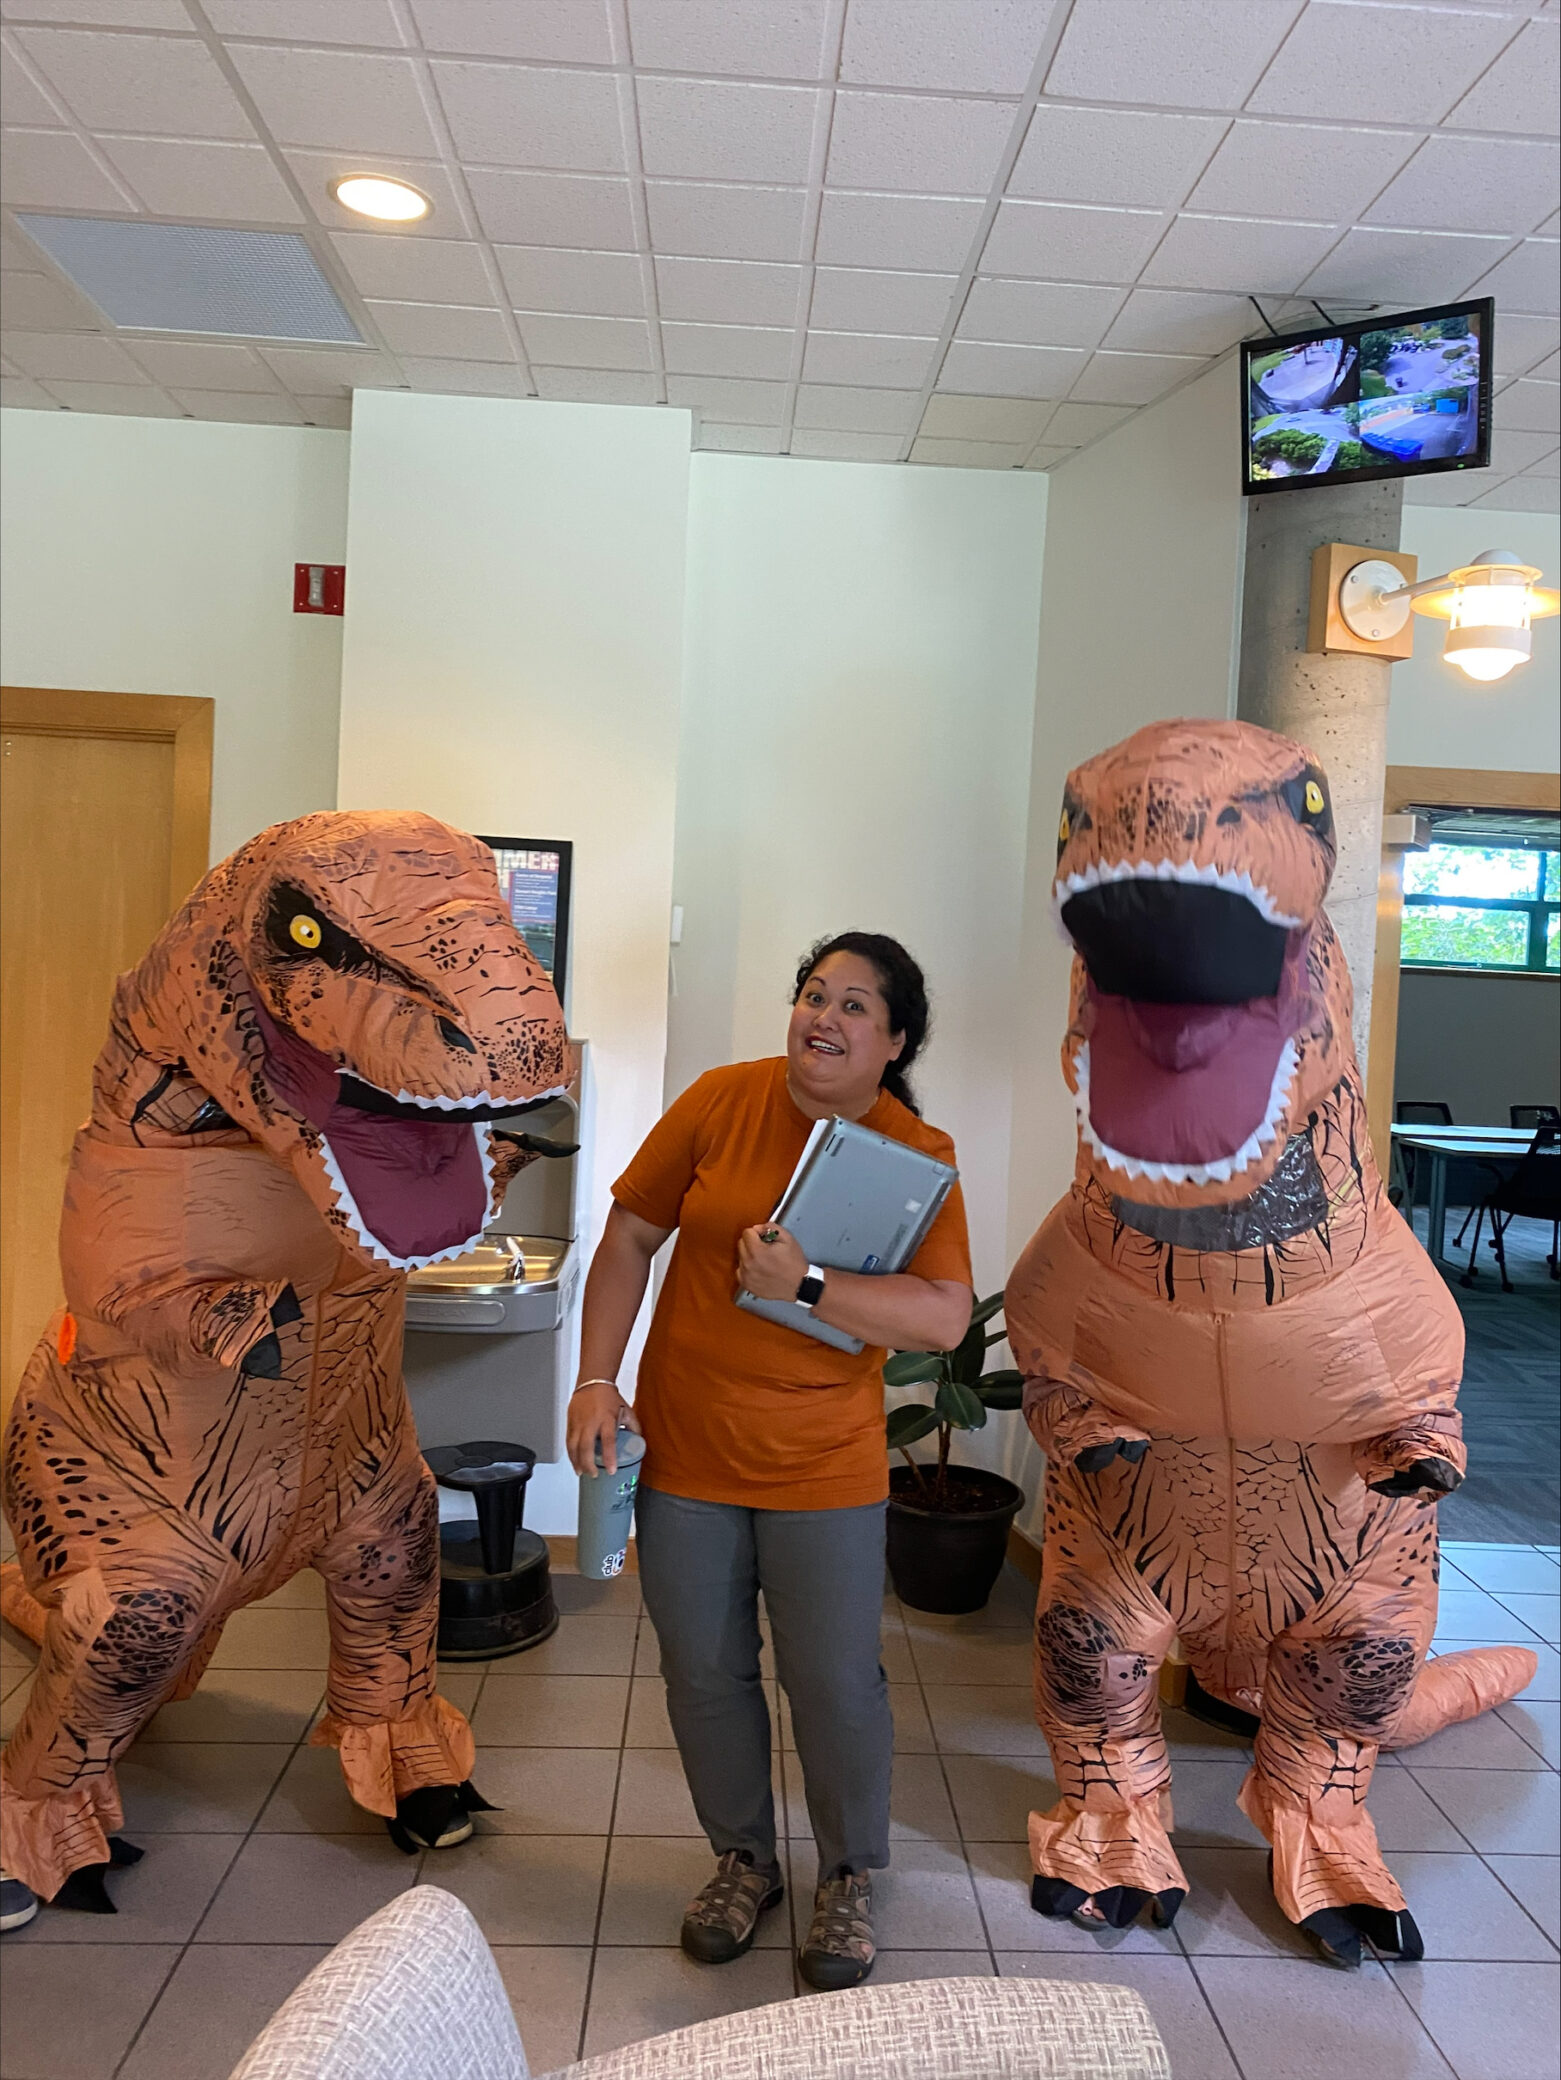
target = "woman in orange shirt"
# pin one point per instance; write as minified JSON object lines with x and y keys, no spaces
{"x":765,"y":1467}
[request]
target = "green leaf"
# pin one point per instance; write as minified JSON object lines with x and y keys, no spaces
{"x":905,"y":1425}
{"x":984,"y":1310}
{"x":913,"y":1368}
{"x":1002,"y":1389}
{"x":968,"y":1356}
{"x":960,"y":1406}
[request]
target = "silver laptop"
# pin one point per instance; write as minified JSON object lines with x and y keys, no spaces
{"x":857,"y":1201}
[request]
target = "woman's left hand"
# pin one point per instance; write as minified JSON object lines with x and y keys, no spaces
{"x":770,"y":1263}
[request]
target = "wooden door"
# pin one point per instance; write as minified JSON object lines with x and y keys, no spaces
{"x":104,"y":815}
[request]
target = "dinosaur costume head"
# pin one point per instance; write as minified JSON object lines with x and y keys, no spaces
{"x":350,"y":991}
{"x":1211,"y":1004}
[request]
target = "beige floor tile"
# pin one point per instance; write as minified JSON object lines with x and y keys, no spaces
{"x":898,"y":1967}
{"x":994,"y":1795}
{"x":48,"y":2031}
{"x":1011,"y":1603}
{"x":522,"y":1711}
{"x":1537,"y":1724}
{"x":582,"y":1646}
{"x":919,"y":1808}
{"x":1493,"y":2021}
{"x":1502,"y":1569}
{"x":1169,"y":1989}
{"x":1230,"y":1911}
{"x":1484,"y":1743}
{"x":1541,"y":1614}
{"x":1536,"y":1882}
{"x":578,"y":1596}
{"x":547,"y":1790}
{"x":653,"y":1796}
{"x":895,"y":1655}
{"x":972,"y":1657}
{"x":258,"y":1638}
{"x":160,"y":1900}
{"x":461,"y":1686}
{"x":546,"y":1989}
{"x":542,"y":1889}
{"x":651,"y":1881}
{"x":980,"y":1719}
{"x":1514,"y":1812}
{"x":310,"y":1797}
{"x":198,"y":1787}
{"x":1203,"y":1797}
{"x":304,"y":1591}
{"x":1471,"y":1614}
{"x":219,"y":1999}
{"x":1002,"y":1876}
{"x":1294,"y":2019}
{"x":1406,"y":1816}
{"x":925,"y":1900}
{"x":1463,"y":1910}
{"x":639,"y":1993}
{"x":238,"y":1704}
{"x":315,"y":1886}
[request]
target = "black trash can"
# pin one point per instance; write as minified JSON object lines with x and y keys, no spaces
{"x":495,"y":1591}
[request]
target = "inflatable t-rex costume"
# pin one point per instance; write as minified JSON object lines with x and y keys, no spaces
{"x":1240,"y":1364}
{"x":285,"y":1120}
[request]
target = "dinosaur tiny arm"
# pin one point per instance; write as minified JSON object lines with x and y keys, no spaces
{"x":1071,"y":1429}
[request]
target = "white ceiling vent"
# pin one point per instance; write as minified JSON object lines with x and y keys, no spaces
{"x":187,"y":278}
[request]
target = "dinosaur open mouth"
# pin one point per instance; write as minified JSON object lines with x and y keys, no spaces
{"x":1193,"y":1000}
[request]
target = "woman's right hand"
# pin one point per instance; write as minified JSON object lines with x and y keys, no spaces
{"x":595,"y":1414}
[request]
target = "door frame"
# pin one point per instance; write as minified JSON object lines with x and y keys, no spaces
{"x":185,"y":721}
{"x":1425,"y":787}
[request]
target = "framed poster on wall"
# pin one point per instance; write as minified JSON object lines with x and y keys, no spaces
{"x":534,"y":877}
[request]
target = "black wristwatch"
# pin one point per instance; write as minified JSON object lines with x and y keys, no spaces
{"x":811,"y":1290}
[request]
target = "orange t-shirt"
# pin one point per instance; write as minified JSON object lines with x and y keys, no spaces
{"x":735,"y":1408}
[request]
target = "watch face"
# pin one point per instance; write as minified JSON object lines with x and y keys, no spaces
{"x":811,"y":1291}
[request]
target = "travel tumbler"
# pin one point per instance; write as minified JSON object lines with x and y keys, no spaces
{"x":607,"y":1510}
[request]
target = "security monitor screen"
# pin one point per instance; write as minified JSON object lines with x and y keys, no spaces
{"x":1387,"y":397}
{"x":534,"y":880}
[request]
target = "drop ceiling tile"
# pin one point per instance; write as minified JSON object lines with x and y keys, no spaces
{"x":1113,"y":155}
{"x":1038,"y":314}
{"x":1526,"y":406}
{"x":551,"y":278}
{"x":1249,"y":255}
{"x":39,"y":303}
{"x":1048,"y":457}
{"x":869,"y":360}
{"x":22,"y":100}
{"x":315,"y":171}
{"x":1175,"y":54}
{"x":108,"y":14}
{"x":1520,"y":90}
{"x":1551,"y":228}
{"x":838,"y":408}
{"x":1548,"y":465}
{"x":525,"y":115}
{"x":585,"y":342}
{"x":739,"y":440}
{"x":553,"y":209}
{"x":1523,"y":495}
{"x":1003,"y":371}
{"x":1456,"y":488}
{"x":124,"y":400}
{"x":236,"y":183}
{"x":729,"y":399}
{"x":1181,"y":321}
{"x":920,"y":143}
{"x":955,"y":46}
{"x":846,"y":447}
{"x":1380,"y":64}
{"x":553,"y":32}
{"x":52,"y":169}
{"x":596,"y":386}
{"x":728,"y":350}
{"x":1526,"y":280}
{"x":1064,"y":242}
{"x":752,"y":37}
{"x":1009,"y":419}
{"x":861,"y":299}
{"x":465,"y":378}
{"x":1071,"y":425}
{"x":928,"y":233}
{"x":967,"y":454}
{"x":414,"y":270}
{"x":328,"y":372}
{"x":168,"y":84}
{"x":342,"y":100}
{"x":1300,"y":170}
{"x":1512,"y":451}
{"x":725,"y":130}
{"x":334,"y":414}
{"x":303,"y":21}
{"x":453,"y":332}
{"x":1403,"y":267}
{"x":723,"y":222}
{"x":202,"y":365}
{"x":241,"y":407}
{"x":1472,"y":184}
{"x":18,"y":255}
{"x":22,"y":394}
{"x":728,"y":292}
{"x":1548,"y":370}
{"x":76,"y":357}
{"x":1133,"y":378}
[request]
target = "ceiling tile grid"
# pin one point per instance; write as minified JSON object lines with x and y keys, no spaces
{"x":965,"y":233}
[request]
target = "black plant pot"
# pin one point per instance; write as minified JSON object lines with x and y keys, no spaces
{"x":949,"y":1560}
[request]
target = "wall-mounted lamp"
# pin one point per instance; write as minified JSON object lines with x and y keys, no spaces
{"x":1362,"y":601}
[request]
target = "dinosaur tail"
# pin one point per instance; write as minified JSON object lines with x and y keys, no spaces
{"x":19,"y":1608}
{"x":1460,"y":1686}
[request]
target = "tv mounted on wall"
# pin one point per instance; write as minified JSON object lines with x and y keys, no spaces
{"x":534,"y":880}
{"x":1401,"y":396}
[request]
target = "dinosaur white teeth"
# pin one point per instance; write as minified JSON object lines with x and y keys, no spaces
{"x":1077,"y":882}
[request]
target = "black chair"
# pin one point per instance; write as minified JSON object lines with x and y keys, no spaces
{"x":1532,"y":1192}
{"x":1534,"y":1115}
{"x":1422,"y":1112}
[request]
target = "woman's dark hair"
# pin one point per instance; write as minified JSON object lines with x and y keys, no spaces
{"x":905,"y":993}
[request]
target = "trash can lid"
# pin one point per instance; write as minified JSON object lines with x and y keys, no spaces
{"x":486,"y":1462}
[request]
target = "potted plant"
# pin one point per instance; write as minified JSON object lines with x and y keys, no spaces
{"x":948,"y":1525}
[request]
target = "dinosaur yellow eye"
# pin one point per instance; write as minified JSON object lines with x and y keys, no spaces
{"x":1314,"y":799}
{"x":305,"y":931}
{"x":1064,"y":828}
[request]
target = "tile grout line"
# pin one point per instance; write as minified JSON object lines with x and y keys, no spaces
{"x":640,"y":1623}
{"x":1214,"y":2014}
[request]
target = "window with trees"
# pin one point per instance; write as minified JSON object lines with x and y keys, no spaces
{"x":1484,"y":899}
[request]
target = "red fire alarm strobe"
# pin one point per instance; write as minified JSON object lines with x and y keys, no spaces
{"x":319,"y":588}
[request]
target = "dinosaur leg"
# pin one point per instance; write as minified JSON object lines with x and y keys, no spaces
{"x":400,"y":1742}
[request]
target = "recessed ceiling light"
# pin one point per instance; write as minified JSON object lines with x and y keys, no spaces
{"x":376,"y":195}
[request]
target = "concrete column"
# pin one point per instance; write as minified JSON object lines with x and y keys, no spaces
{"x":1336,"y":706}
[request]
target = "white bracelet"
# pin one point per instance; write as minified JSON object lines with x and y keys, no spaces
{"x":581,"y":1385}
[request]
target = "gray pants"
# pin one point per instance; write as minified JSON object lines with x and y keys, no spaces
{"x":702,"y":1566}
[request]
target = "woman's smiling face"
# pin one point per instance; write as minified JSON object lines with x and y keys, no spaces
{"x":838,"y":1043}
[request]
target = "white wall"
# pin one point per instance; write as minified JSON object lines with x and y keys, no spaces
{"x":855,"y":750}
{"x":513,"y":663}
{"x":156,"y":556}
{"x":1440,"y":718}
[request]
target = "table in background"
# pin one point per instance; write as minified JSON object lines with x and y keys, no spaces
{"x":1428,"y":1151}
